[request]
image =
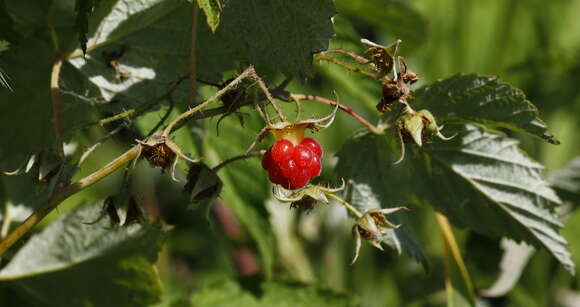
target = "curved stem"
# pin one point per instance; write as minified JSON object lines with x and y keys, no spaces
{"x":185,"y":116}
{"x":451,"y":245}
{"x":56,"y":110}
{"x":236,"y":158}
{"x":351,"y":112}
{"x":348,"y":206}
{"x":322,"y":57}
{"x":56,"y":199}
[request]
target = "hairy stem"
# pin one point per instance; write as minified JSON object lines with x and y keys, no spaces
{"x":322,"y":57}
{"x":70,"y":190}
{"x":451,"y":245}
{"x":348,"y":206}
{"x":185,"y":116}
{"x":342,"y":107}
{"x":236,"y":158}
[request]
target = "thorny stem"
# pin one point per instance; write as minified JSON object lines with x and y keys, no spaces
{"x":451,"y":244}
{"x":131,"y":113}
{"x":56,"y":199}
{"x":236,"y":158}
{"x":185,"y":116}
{"x":56,"y":109}
{"x":348,"y":206}
{"x":353,"y":55}
{"x":164,"y":118}
{"x":351,"y":112}
{"x":98,"y":143}
{"x":269,"y":96}
{"x":323,"y":57}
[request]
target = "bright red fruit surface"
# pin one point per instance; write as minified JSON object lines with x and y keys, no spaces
{"x":313,"y":145}
{"x":293,"y":166}
{"x":282,"y":150}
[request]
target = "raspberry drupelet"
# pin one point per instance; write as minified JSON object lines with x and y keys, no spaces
{"x":293,"y":165}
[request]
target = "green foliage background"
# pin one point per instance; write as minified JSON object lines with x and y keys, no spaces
{"x":295,"y":258}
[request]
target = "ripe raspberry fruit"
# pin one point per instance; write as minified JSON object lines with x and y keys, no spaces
{"x":282,"y":150}
{"x":303,"y":156}
{"x":313,"y":145}
{"x":290,"y":165}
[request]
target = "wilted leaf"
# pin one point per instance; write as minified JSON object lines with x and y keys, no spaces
{"x":366,"y":164}
{"x":72,"y":263}
{"x":484,"y":181}
{"x":481,"y":99}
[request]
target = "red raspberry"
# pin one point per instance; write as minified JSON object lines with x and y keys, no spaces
{"x":276,"y":175}
{"x":282,"y":150}
{"x":313,"y":145}
{"x":315,"y":167}
{"x":288,"y":168}
{"x":303,"y":156}
{"x":300,"y":179}
{"x":293,"y":166}
{"x":267,"y":161}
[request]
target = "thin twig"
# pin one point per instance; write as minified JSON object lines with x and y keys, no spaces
{"x":164,"y":118}
{"x":59,"y":197}
{"x":359,"y":59}
{"x":342,"y":107}
{"x":346,"y":66}
{"x":451,"y":244}
{"x":185,"y":116}
{"x":269,"y":96}
{"x":56,"y":110}
{"x":99,"y":142}
{"x":345,"y":204}
{"x":141,"y":109}
{"x":7,"y":219}
{"x":236,"y":158}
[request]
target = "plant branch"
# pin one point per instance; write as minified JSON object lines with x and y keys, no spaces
{"x":322,"y":57}
{"x":70,"y":190}
{"x":56,"y":109}
{"x":185,"y":116}
{"x":269,"y":96}
{"x":451,"y":245}
{"x":342,"y":107}
{"x":348,"y":206}
{"x":236,"y":158}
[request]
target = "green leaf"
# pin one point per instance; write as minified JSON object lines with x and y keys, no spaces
{"x":482,"y":99}
{"x":484,"y":181}
{"x":252,"y":292}
{"x":25,"y":111}
{"x":245,"y":184}
{"x":397,"y":18}
{"x":83,"y":9}
{"x":566,"y":181}
{"x":135,"y":35}
{"x":365,"y":162}
{"x":212,"y":10}
{"x":74,"y":263}
{"x":278,"y":34}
